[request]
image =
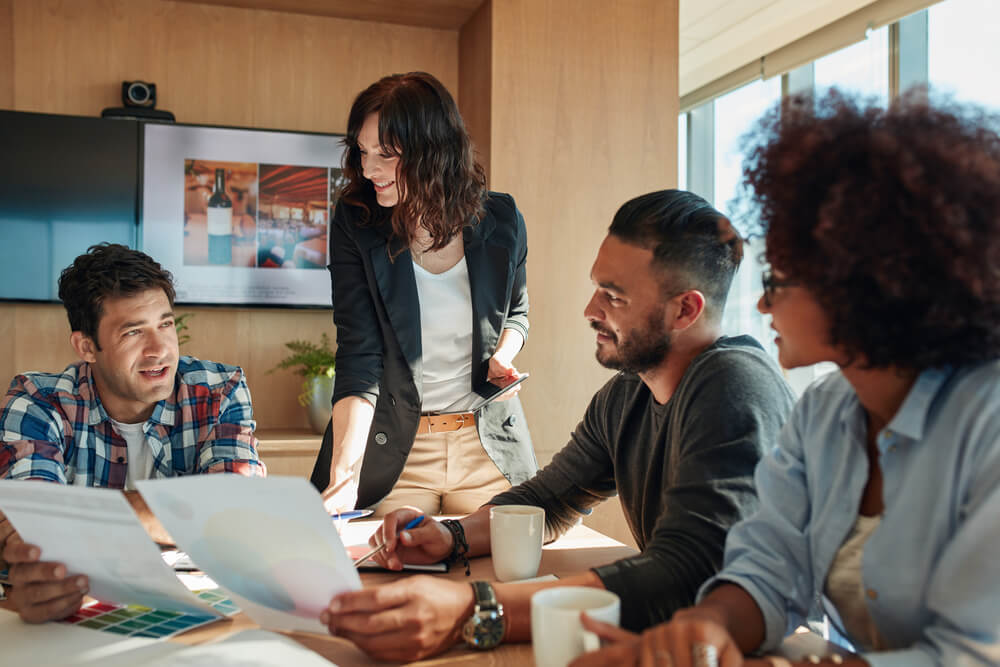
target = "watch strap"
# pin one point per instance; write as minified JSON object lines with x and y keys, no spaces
{"x":487,"y":627}
{"x":486,"y":597}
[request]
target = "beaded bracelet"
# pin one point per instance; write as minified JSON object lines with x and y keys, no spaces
{"x":460,"y":548}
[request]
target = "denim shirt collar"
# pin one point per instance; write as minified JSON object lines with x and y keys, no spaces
{"x":911,"y":418}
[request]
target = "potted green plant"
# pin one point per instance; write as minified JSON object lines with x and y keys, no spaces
{"x":315,"y":363}
{"x":181,"y":324}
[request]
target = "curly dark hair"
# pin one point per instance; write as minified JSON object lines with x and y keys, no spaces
{"x":442,"y":184}
{"x":107,"y":270}
{"x":890,"y":218}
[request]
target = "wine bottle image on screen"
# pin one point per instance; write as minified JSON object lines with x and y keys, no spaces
{"x":220,"y":222}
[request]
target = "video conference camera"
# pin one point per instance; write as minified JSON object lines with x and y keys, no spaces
{"x":139,"y":100}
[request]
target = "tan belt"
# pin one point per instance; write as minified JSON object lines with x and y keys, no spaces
{"x":442,"y":423}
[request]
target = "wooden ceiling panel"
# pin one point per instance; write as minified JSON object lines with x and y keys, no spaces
{"x":289,"y":184}
{"x":443,"y":14}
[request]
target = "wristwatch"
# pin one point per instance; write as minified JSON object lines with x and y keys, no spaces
{"x":485,"y":629}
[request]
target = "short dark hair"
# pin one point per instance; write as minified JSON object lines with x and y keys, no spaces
{"x":692,"y":243}
{"x":890,"y":217}
{"x":442,"y":184}
{"x":107,"y":270}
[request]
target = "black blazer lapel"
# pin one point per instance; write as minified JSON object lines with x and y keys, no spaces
{"x":489,"y":277}
{"x":398,"y":288}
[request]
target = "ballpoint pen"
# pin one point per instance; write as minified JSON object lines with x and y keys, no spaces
{"x":413,"y":523}
{"x":350,"y":514}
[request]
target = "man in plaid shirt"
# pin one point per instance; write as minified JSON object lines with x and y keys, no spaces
{"x":131,"y":409}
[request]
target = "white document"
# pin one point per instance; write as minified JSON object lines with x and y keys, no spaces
{"x":268,"y":542}
{"x":96,"y":533}
{"x":249,"y":648}
{"x":62,"y":644}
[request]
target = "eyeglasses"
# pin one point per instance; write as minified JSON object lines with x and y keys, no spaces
{"x":771,"y":284}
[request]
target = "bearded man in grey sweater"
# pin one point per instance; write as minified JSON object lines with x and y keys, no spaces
{"x":676,"y":435}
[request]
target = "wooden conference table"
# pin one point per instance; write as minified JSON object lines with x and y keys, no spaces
{"x":580,"y":549}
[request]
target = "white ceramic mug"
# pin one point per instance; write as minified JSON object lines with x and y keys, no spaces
{"x":556,"y":633}
{"x":516,"y":534}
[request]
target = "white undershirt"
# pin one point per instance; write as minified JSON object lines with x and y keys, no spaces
{"x":140,"y":459}
{"x":446,"y":334}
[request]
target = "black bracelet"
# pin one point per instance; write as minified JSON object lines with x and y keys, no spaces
{"x":460,"y":548}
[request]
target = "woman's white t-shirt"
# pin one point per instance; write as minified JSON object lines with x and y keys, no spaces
{"x":446,"y":334}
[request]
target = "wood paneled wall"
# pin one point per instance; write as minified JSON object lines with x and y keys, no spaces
{"x":583,"y":117}
{"x":6,"y":54}
{"x":211,"y":65}
{"x":475,"y":67}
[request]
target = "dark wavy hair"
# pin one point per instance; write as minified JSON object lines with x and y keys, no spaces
{"x":890,"y":218}
{"x":442,"y":185}
{"x":693,"y":244}
{"x":107,"y":270}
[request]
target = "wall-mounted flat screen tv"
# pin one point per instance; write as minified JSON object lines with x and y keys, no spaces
{"x":240,"y":216}
{"x":66,"y":183}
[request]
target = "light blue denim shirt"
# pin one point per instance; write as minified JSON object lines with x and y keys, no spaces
{"x":931,"y":570}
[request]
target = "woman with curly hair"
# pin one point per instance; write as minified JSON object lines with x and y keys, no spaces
{"x":430,"y":303}
{"x":879,"y":504}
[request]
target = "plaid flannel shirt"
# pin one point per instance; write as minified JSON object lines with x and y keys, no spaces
{"x":53,"y":427}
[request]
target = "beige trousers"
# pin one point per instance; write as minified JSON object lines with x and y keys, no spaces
{"x":446,"y":473}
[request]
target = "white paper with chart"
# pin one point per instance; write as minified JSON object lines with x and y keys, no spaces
{"x":268,"y":542}
{"x":96,"y":532}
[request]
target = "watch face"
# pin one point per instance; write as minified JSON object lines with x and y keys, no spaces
{"x":484,"y":630}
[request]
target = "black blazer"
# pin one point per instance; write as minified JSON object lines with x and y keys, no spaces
{"x":377,"y":314}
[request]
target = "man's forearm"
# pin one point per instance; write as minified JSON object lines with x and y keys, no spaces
{"x":516,"y":601}
{"x":477,"y":531}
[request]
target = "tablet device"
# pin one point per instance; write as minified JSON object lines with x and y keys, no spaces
{"x":475,"y":400}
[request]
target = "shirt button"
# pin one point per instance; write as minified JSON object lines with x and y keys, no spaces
{"x":121,"y":459}
{"x":872,"y":594}
{"x":381,"y":438}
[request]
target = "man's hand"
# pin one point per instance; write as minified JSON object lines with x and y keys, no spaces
{"x":6,"y":531}
{"x":41,"y":591}
{"x":403,"y":621}
{"x":430,"y":542}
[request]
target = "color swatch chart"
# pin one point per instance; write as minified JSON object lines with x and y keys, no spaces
{"x":138,"y":621}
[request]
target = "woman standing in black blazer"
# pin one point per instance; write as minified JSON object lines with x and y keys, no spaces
{"x":430,"y":302}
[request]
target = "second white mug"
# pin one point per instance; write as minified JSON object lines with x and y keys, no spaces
{"x":557,"y":636}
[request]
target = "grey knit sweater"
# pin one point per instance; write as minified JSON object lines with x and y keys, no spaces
{"x":683,"y":471}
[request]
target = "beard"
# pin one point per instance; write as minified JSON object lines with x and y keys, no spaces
{"x":638,"y":350}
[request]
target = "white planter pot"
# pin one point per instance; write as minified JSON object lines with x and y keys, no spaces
{"x":319,"y":405}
